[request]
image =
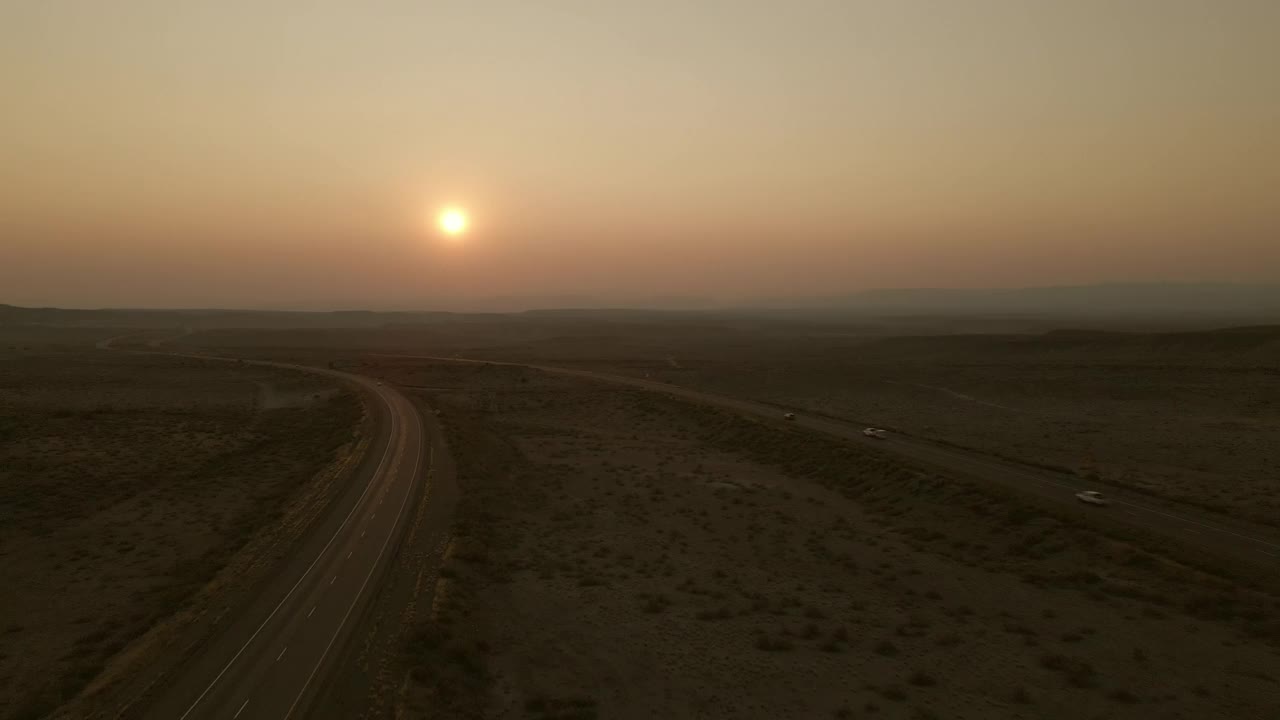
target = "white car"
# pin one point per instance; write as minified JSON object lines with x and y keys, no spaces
{"x":1093,"y":497}
{"x":874,"y":433}
{"x":789,"y":416}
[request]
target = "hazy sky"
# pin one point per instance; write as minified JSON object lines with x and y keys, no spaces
{"x":294,"y":154}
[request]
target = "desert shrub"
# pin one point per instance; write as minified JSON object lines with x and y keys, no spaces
{"x":1122,"y":695}
{"x":656,"y":604}
{"x":768,"y":644}
{"x":948,"y":640}
{"x":721,"y":614}
{"x":1077,"y":672}
{"x":893,"y":692}
{"x":920,"y":678}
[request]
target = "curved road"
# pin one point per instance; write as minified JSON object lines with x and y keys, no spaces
{"x":271,"y":657}
{"x":1256,"y":545}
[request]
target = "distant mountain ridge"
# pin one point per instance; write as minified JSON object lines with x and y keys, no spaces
{"x":1235,"y":304}
{"x":1242,"y":299}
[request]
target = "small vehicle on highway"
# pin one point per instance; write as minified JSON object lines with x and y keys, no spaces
{"x":789,"y":416}
{"x":874,"y":433}
{"x":1093,"y":497}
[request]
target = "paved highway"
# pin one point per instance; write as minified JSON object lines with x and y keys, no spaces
{"x":269,"y":659}
{"x":1256,"y":545}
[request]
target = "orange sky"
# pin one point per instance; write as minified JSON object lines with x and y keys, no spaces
{"x":293,"y":154}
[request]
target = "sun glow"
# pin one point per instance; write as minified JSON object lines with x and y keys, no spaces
{"x":453,"y":221}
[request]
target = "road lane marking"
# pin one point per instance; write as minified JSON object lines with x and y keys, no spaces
{"x":378,"y":471}
{"x":1015,"y":471}
{"x":1203,"y":525}
{"x":335,"y":577}
{"x":233,"y":717}
{"x":282,"y":652}
{"x":362,"y":532}
{"x":374,"y":566}
{"x":1018,"y":472}
{"x":313,"y":609}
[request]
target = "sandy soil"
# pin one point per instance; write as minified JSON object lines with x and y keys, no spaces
{"x":1201,"y":435}
{"x":126,"y":484}
{"x":622,"y":555}
{"x":1191,"y":417}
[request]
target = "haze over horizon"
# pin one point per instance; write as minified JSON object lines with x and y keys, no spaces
{"x":267,"y":154}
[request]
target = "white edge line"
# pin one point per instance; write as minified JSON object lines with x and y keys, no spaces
{"x":1206,"y":526}
{"x":400,"y":513}
{"x":225,"y":668}
{"x":246,"y":702}
{"x":1134,"y":505}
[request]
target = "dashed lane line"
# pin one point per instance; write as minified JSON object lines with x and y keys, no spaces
{"x":381,"y":464}
{"x":395,"y":523}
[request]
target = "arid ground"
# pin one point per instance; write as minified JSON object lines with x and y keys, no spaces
{"x":133,"y":490}
{"x":621,"y":554}
{"x":1193,"y":417}
{"x":618,"y":553}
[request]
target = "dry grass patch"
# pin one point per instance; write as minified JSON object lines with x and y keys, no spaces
{"x":127,"y":482}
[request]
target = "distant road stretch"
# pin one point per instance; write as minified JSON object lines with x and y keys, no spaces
{"x":269,"y":659}
{"x":1255,"y":545}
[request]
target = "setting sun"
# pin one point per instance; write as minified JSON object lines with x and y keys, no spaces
{"x":453,"y":221}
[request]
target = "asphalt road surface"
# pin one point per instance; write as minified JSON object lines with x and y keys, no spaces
{"x":1255,"y":545}
{"x":269,"y":659}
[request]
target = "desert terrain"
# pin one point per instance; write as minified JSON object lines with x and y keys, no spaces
{"x":135,"y":491}
{"x":585,"y":549}
{"x":1189,"y":416}
{"x":621,"y":554}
